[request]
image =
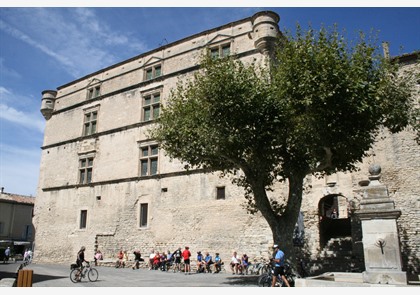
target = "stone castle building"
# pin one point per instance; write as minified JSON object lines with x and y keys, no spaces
{"x":105,"y":185}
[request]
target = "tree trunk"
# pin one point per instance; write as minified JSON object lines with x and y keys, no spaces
{"x":282,"y":226}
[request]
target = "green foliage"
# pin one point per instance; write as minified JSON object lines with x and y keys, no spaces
{"x":316,"y":109}
{"x":336,"y":98}
{"x":223,"y":119}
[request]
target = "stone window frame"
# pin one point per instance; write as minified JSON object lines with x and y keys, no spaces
{"x":90,"y":120}
{"x":152,"y":72}
{"x":83,"y":218}
{"x":149,"y":155}
{"x":220,"y":192}
{"x":153,"y":105}
{"x":94,"y":92}
{"x":93,"y":89}
{"x":143,"y":215}
{"x":85,"y":168}
{"x":218,"y":50}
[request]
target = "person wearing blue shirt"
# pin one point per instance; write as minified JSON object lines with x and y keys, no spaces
{"x":279,"y":266}
{"x":6,"y":255}
{"x":208,"y":260}
{"x":217,"y":263}
{"x":200,"y":262}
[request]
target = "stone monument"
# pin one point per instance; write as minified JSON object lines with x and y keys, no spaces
{"x":381,"y":245}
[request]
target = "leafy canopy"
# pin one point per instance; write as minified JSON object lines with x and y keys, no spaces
{"x":316,"y":109}
{"x":336,"y":98}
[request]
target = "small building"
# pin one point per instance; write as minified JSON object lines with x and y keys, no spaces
{"x":16,"y":228}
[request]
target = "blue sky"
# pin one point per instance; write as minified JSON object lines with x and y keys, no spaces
{"x":44,"y":48}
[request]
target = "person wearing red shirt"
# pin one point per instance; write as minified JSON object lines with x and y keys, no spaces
{"x":186,"y":254}
{"x":156,"y":261}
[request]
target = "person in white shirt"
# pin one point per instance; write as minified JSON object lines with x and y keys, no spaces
{"x":235,"y":263}
{"x":151,"y":258}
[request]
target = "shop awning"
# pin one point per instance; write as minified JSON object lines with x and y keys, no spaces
{"x":17,"y":243}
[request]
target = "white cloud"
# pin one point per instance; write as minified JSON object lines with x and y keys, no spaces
{"x":19,"y":169}
{"x":27,"y":120}
{"x":25,"y":38}
{"x":99,"y":30}
{"x":12,"y":109}
{"x":3,"y":92}
{"x":18,"y":151}
{"x":75,"y":37}
{"x":6,"y":71}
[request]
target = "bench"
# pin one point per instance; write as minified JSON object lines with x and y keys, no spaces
{"x":112,"y":262}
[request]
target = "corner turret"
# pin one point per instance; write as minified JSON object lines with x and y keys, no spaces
{"x":265,"y":31}
{"x":47,"y":103}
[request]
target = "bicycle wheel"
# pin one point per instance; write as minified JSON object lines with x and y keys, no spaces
{"x":264,"y":269}
{"x":264,"y":280}
{"x":93,"y":275}
{"x":73,"y":275}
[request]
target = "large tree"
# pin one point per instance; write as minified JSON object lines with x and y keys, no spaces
{"x":315,"y":109}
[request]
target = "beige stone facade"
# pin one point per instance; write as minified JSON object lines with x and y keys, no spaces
{"x":105,"y":185}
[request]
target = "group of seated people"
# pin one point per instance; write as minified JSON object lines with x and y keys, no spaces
{"x":162,"y":261}
{"x":122,"y":259}
{"x":239,"y":265}
{"x":204,"y":263}
{"x":165,"y":261}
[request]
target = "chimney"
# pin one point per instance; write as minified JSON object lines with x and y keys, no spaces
{"x":385,"y":47}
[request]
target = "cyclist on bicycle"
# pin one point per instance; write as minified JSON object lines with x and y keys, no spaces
{"x":79,"y":261}
{"x":279,"y":266}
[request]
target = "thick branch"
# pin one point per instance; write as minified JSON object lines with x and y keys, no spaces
{"x":327,"y":161}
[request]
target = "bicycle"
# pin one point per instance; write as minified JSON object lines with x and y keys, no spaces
{"x":266,"y":279}
{"x":258,"y":268}
{"x":27,"y":261}
{"x":77,"y":273}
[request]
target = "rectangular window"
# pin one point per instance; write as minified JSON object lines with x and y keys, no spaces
{"x":214,"y":52}
{"x":220,"y":51}
{"x":1,"y":227}
{"x":151,"y":106}
{"x":153,"y":72}
{"x":149,"y":160}
{"x":220,"y":193}
{"x":28,"y":231}
{"x":225,"y":50}
{"x":94,"y":92}
{"x":83,"y":219}
{"x":143,"y":214}
{"x":85,"y":170}
{"x":90,"y":123}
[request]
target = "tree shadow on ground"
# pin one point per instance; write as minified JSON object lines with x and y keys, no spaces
{"x":35,"y":279}
{"x":41,"y":278}
{"x":7,"y":274}
{"x":243,"y":280}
